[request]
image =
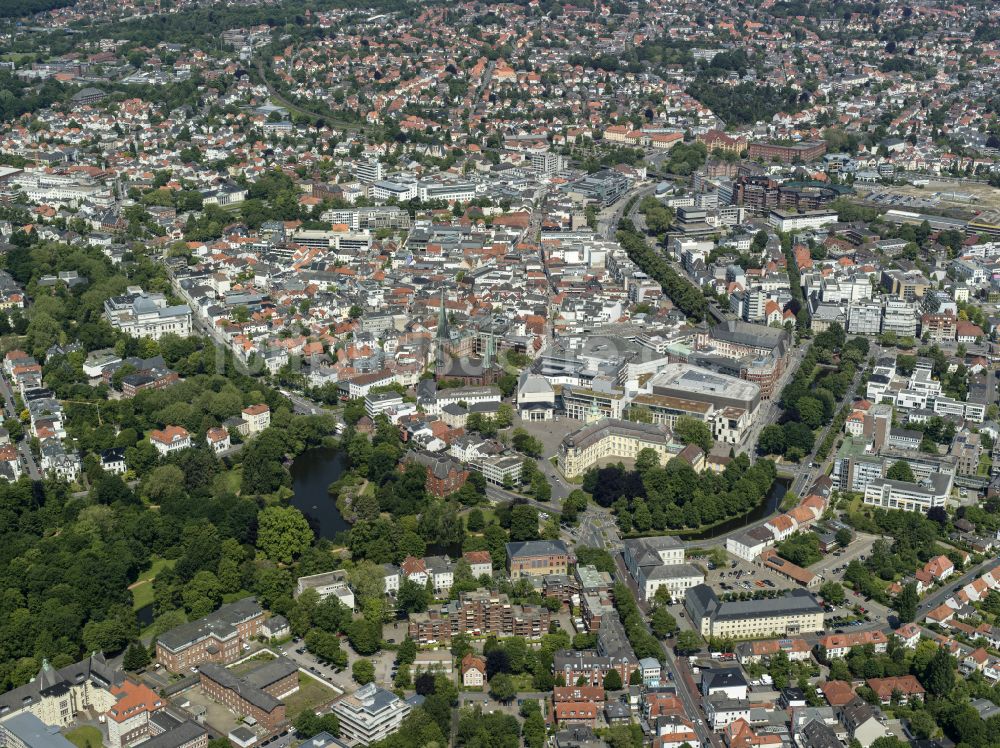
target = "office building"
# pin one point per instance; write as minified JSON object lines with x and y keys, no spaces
{"x":370,"y":714}
{"x":910,"y":497}
{"x":864,"y":318}
{"x":694,"y":383}
{"x":796,"y":612}
{"x":786,"y":221}
{"x":605,"y":187}
{"x":369,"y":172}
{"x":900,"y":317}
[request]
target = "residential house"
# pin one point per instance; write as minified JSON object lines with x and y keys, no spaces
{"x":170,"y":439}
{"x":473,"y":671}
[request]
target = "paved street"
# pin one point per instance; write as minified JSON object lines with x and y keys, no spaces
{"x":23,"y":448}
{"x":936,"y":598}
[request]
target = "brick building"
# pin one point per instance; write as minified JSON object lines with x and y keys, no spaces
{"x":535,"y":558}
{"x":480,"y":613}
{"x":218,"y":637}
{"x":185,"y":734}
{"x":445,"y":474}
{"x":257,"y":694}
{"x":716,"y":140}
{"x":787,"y":154}
{"x":132,"y":384}
{"x":592,"y":667}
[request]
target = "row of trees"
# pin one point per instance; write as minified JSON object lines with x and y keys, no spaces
{"x":681,"y":292}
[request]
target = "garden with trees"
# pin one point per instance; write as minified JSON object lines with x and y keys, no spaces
{"x":674,"y":497}
{"x":810,"y":399}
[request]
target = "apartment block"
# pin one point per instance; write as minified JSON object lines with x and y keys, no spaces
{"x":479,"y":613}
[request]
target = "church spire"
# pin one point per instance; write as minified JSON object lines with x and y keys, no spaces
{"x":442,"y":331}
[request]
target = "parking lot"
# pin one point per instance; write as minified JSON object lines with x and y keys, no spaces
{"x":860,"y":546}
{"x":744,"y":577}
{"x":340,"y":682}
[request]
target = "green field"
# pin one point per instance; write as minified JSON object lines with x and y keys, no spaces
{"x":85,"y":736}
{"x":229,"y":480}
{"x":311,"y":694}
{"x":142,"y":592}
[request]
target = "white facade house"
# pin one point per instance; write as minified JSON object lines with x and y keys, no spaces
{"x":659,"y":562}
{"x":170,"y":439}
{"x":218,"y":439}
{"x":327,"y":584}
{"x":257,"y":417}
{"x":750,"y":544}
{"x":391,"y":578}
{"x":113,"y":461}
{"x":147,"y":315}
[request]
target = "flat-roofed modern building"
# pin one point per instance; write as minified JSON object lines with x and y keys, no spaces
{"x":796,"y":612}
{"x":910,"y":497}
{"x":329,"y":583}
{"x":370,"y":714}
{"x":695,"y":383}
{"x":790,"y":220}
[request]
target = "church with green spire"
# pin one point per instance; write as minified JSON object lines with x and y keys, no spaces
{"x":451,"y":364}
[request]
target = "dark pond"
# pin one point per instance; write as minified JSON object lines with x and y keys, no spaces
{"x":144,"y":615}
{"x":312,"y":473}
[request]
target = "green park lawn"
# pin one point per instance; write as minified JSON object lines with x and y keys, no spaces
{"x":142,"y":591}
{"x":85,"y":736}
